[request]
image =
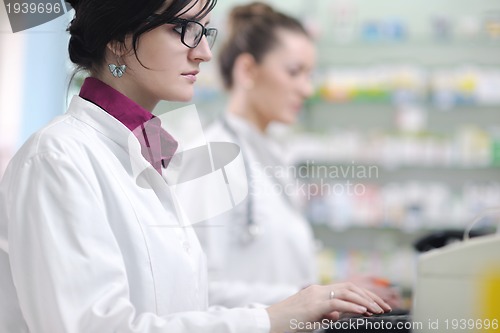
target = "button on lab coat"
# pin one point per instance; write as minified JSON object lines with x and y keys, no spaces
{"x":91,"y":239}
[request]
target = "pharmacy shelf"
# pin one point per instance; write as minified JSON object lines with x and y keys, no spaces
{"x":454,"y":176}
{"x":367,"y":251}
{"x":382,"y":239}
{"x":376,"y":251}
{"x":323,"y":116}
{"x":368,"y":238}
{"x":429,"y":54}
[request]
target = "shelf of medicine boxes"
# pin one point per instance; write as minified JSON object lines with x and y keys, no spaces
{"x":374,"y":233}
{"x":321,"y":116}
{"x":463,"y":138}
{"x":405,"y":181}
{"x":439,"y":180}
{"x":380,"y":241}
{"x":382,"y":252}
{"x":429,"y":53}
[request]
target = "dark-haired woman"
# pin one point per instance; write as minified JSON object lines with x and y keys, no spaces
{"x":81,"y":248}
{"x":264,"y":250}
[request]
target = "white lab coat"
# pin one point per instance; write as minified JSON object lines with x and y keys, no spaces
{"x":280,"y":259}
{"x":88,"y":245}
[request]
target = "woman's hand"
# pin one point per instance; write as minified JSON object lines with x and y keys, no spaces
{"x":331,"y":301}
{"x":381,"y":287}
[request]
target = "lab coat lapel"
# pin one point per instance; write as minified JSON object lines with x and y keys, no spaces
{"x":142,"y":171}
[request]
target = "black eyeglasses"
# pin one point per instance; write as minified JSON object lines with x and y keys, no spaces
{"x":191,"y":31}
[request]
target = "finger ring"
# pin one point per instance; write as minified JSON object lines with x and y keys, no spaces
{"x":332,"y":294}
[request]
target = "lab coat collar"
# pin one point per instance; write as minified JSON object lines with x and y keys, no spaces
{"x":261,"y":144}
{"x":244,"y":127}
{"x":107,"y":125}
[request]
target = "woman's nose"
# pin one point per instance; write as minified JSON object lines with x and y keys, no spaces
{"x":202,"y":51}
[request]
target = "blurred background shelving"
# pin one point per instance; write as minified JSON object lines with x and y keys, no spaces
{"x":407,"y":95}
{"x":410,"y":89}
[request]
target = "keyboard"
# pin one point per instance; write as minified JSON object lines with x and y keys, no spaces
{"x":393,"y":323}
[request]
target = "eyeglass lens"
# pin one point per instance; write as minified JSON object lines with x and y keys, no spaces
{"x":193,"y":34}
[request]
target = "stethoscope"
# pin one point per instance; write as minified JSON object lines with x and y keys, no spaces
{"x":252,"y":228}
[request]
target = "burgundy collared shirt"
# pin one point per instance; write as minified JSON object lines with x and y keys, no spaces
{"x":157,"y":146}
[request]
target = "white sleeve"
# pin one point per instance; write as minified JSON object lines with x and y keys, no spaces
{"x":240,"y":293}
{"x":66,"y":265}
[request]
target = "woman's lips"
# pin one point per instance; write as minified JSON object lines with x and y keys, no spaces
{"x":191,"y":76}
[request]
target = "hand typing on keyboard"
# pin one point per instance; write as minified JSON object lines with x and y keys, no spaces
{"x":382,"y":287}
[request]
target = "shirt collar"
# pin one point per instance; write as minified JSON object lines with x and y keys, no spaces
{"x":157,"y":145}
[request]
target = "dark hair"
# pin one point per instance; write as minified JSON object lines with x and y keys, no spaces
{"x":252,"y":29}
{"x":97,"y":22}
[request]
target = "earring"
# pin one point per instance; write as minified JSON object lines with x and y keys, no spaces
{"x":117,"y":70}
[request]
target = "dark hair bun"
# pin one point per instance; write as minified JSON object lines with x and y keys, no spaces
{"x":78,"y":52}
{"x":73,"y":3}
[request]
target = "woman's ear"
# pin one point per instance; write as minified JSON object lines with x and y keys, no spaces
{"x":116,"y":48}
{"x":118,"y":51}
{"x":244,"y":72}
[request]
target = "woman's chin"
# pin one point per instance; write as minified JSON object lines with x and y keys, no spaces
{"x":181,"y":96}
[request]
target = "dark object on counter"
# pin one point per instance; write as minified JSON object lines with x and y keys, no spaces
{"x":442,"y":238}
{"x":398,"y":321}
